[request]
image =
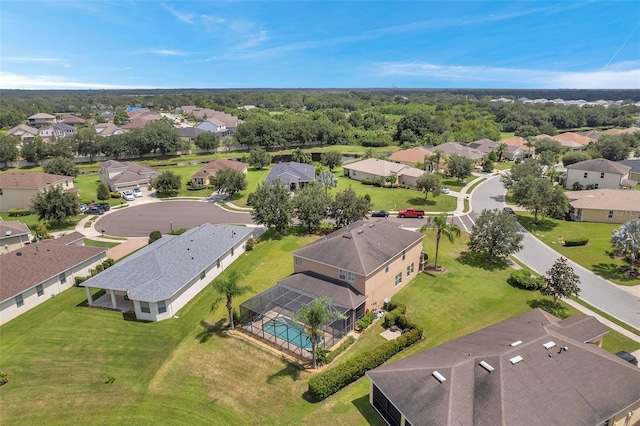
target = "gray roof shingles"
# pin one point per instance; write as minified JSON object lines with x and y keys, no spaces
{"x":601,"y":165}
{"x":299,"y":171}
{"x":318,"y":285}
{"x":162,"y":268}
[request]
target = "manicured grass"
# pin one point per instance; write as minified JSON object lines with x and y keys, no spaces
{"x":94,"y":243}
{"x":32,"y":220}
{"x":254,"y":178}
{"x":505,"y":165}
{"x":475,"y":185}
{"x":87,"y":189}
{"x":596,"y":255}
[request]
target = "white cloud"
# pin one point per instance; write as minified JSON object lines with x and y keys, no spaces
{"x":620,"y":76}
{"x":163,"y":52}
{"x":56,"y":61}
{"x":187,"y":17}
{"x":27,"y":82}
{"x":253,"y":40}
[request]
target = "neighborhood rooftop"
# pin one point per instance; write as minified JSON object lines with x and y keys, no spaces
{"x":29,"y":180}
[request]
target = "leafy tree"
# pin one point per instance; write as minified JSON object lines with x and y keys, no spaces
{"x":429,"y":182}
{"x":487,"y":165}
{"x":441,"y":226}
{"x":501,"y":149}
{"x":436,"y":159}
{"x":61,"y":166}
{"x":311,"y":205}
{"x":41,"y":231}
{"x":62,"y":147}
{"x":519,"y":171}
{"x":259,"y":158}
{"x":115,"y":146}
{"x":229,"y":287}
{"x":102,"y":193}
{"x":272,"y":206}
{"x":315,"y":317}
{"x":229,"y":181}
{"x":459,"y":167}
{"x":331,"y":159}
{"x":168,"y":183}
{"x":300,"y":156}
{"x":626,"y":240}
{"x":8,"y":149}
{"x":561,"y":281}
{"x":416,"y":125}
{"x":154,"y":236}
{"x":348,"y":207}
{"x":55,"y":205}
{"x":207,"y":141}
{"x":613,"y":148}
{"x":495,"y":235}
{"x":162,"y":136}
{"x":121,"y":116}
{"x":327,"y":180}
{"x":540,"y":197}
{"x":526,"y":131}
{"x":88,"y":142}
{"x":574,"y":157}
{"x":547,"y":144}
{"x":10,"y":117}
{"x":34,"y":150}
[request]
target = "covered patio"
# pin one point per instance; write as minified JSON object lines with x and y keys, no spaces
{"x":114,"y":300}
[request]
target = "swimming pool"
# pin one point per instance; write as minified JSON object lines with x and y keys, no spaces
{"x":288,"y":330}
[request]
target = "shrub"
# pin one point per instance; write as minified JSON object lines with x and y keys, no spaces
{"x":331,"y":381}
{"x":392,"y":306}
{"x":154,"y":236}
{"x":110,"y":379}
{"x":115,"y":194}
{"x":19,"y":212}
{"x":523,"y":278}
{"x":80,"y":280}
{"x":576,"y":242}
{"x":337,"y":351}
{"x":93,"y":272}
{"x":236,"y":316}
{"x":374,"y":144}
{"x":577,"y":186}
{"x":390,"y":319}
{"x":178,"y":231}
{"x":108,"y":262}
{"x":250,"y":243}
{"x":366,"y":320}
{"x":99,"y":268}
{"x":321,"y":355}
{"x":4,"y":379}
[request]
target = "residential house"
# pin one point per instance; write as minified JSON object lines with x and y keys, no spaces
{"x":17,"y":189}
{"x":74,"y":238}
{"x":231,"y":122}
{"x":126,"y":175}
{"x":292,"y":174}
{"x":373,"y":168}
{"x":598,"y":174}
{"x":13,"y":235}
{"x":533,"y":369}
{"x":108,"y":129}
{"x":604,"y":205}
{"x":574,"y":138}
{"x":519,"y":142}
{"x":41,"y":119}
{"x":37,"y":272}
{"x":593,"y":134}
{"x":158,"y":280}
{"x":107,"y":115}
{"x":485,"y":146}
{"x":71,"y":120}
{"x":449,"y":148}
{"x":58,"y":130}
{"x":201,"y":177}
{"x":357,"y":267}
{"x":212,"y":125}
{"x":24,"y":132}
{"x":634,"y":173}
{"x":414,"y":156}
{"x":188,"y":134}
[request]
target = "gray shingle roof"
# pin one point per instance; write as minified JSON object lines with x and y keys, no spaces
{"x":582,"y":385}
{"x":634,"y":164}
{"x":360,"y":247}
{"x":162,"y":268}
{"x":318,"y":285}
{"x":297,"y":171}
{"x":601,"y":165}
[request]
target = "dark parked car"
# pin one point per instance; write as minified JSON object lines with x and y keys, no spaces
{"x":379,"y":213}
{"x":103,"y":206}
{"x":628,"y":357}
{"x":94,"y":210}
{"x":510,"y":211}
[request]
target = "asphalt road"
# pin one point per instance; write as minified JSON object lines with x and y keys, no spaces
{"x":538,"y":256}
{"x":139,"y":221}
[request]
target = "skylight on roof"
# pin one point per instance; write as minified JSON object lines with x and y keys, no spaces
{"x":516,"y":359}
{"x":486,"y":366}
{"x":438,"y":376}
{"x":516,"y":343}
{"x":549,"y":344}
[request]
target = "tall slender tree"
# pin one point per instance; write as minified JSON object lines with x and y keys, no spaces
{"x":626,"y":239}
{"x":441,"y":226}
{"x":229,"y":287}
{"x":561,"y":281}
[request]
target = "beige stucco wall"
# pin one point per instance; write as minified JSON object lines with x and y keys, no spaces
{"x":602,"y":216}
{"x":610,"y":180}
{"x":13,"y":198}
{"x":407,"y":180}
{"x":379,"y":284}
{"x":358,"y":175}
{"x":627,"y":417}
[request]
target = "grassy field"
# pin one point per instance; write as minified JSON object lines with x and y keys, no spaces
{"x":32,"y":220}
{"x":595,"y":256}
{"x":94,"y":243}
{"x":186,"y":371}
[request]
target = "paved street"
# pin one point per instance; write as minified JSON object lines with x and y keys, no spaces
{"x":620,"y":303}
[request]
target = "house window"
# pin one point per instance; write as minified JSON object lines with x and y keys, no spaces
{"x":610,"y":215}
{"x":231,"y":251}
{"x":602,"y":175}
{"x":585,"y":175}
{"x":0,"y":191}
{"x":297,"y":261}
{"x":386,"y":268}
{"x":19,"y":301}
{"x":39,"y":290}
{"x":66,"y":183}
{"x":354,"y":172}
{"x":162,"y":307}
{"x":596,"y":186}
{"x":203,"y":274}
{"x":63,"y":278}
{"x":404,"y":254}
{"x":408,"y":270}
{"x":398,"y":279}
{"x":351,"y":277}
{"x":412,"y":268}
{"x":144,"y":307}
{"x":342,"y":275}
{"x":218,"y":263}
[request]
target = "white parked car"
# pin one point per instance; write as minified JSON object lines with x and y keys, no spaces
{"x":128,"y":195}
{"x":445,"y":190}
{"x":137,"y":192}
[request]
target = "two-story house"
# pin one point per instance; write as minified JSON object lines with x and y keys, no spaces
{"x":213,"y":125}
{"x":41,"y":119}
{"x":358,"y":267}
{"x":17,"y":189}
{"x":24,"y":132}
{"x":58,"y":130}
{"x":598,"y":173}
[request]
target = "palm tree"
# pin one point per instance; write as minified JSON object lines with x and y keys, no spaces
{"x":530,"y":142}
{"x":436,"y":158}
{"x":229,"y":288}
{"x":440,"y":225}
{"x":501,"y":148}
{"x":327,"y":179}
{"x":626,"y":239}
{"x":315,"y":316}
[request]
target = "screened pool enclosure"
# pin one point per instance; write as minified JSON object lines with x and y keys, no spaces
{"x":269,"y":316}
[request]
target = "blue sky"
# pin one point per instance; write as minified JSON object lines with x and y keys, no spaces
{"x":97,"y":44}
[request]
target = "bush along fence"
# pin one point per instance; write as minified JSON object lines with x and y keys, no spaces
{"x":333,"y":380}
{"x":99,"y":268}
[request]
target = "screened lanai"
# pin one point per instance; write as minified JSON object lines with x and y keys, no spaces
{"x":269,"y":315}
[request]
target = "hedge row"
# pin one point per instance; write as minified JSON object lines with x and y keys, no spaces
{"x":366,"y":321}
{"x":19,"y":212}
{"x":576,"y":242}
{"x":99,"y":268}
{"x":525,"y":279}
{"x":337,"y":351}
{"x":331,"y":381}
{"x":398,"y":319}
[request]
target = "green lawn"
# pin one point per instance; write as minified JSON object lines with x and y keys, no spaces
{"x":94,"y":243}
{"x":32,"y":220}
{"x":595,"y":256}
{"x":185,"y":371}
{"x":505,"y":165}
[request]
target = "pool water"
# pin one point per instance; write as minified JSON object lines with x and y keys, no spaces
{"x":287,"y":330}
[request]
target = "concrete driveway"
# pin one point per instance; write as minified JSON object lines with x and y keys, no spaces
{"x":163,"y":216}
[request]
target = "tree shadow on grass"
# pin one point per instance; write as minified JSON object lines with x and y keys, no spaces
{"x":547,"y":305}
{"x":420,"y":201}
{"x":478,"y":260}
{"x":211,"y":329}
{"x":612,"y":271}
{"x":131,"y":316}
{"x":291,"y":371}
{"x":367,"y":411}
{"x":545,"y":225}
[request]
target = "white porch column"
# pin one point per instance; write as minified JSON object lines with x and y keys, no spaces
{"x":113,"y":299}
{"x":89,"y":298}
